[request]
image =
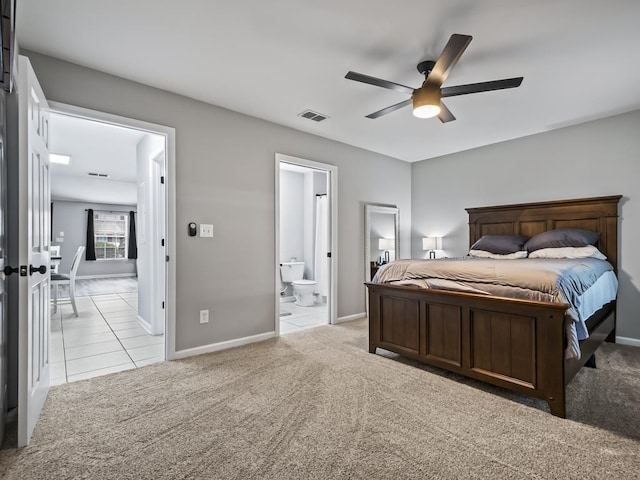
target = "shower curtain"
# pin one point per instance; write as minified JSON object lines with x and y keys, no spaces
{"x":321,"y":260}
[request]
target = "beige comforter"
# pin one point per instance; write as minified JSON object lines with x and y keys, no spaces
{"x":550,"y":280}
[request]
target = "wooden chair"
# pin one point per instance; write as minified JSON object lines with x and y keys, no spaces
{"x":58,"y":279}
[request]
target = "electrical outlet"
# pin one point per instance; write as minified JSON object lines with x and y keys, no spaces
{"x":204,"y":316}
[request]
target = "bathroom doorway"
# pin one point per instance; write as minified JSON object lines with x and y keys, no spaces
{"x":306,"y":236}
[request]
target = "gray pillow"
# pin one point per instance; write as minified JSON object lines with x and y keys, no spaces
{"x":500,"y":244}
{"x":562,"y":237}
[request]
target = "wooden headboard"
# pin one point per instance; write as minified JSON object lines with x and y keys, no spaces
{"x":597,"y":214}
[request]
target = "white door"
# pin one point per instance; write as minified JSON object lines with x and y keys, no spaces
{"x":33,"y":209}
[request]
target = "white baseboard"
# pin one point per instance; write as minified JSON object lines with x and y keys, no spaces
{"x":106,"y":275}
{"x":287,"y":299}
{"x":634,"y":342}
{"x":215,"y":347}
{"x":144,"y":324}
{"x":348,"y":318}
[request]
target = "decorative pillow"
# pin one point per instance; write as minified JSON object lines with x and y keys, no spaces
{"x":562,"y":237}
{"x":569,"y":252}
{"x":500,"y":244}
{"x":508,"y":256}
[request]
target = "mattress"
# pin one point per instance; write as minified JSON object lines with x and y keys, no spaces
{"x":585,"y":285}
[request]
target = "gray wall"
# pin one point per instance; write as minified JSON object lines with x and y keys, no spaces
{"x":592,"y":159}
{"x":71,"y":218}
{"x":225,"y":176}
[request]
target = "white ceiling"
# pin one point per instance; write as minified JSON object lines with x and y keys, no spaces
{"x":579,"y":58}
{"x":94,"y":147}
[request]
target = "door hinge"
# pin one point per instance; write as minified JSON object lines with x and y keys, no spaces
{"x":167,"y":258}
{"x":328,"y":254}
{"x":162,"y":179}
{"x":163,"y":305}
{"x":162,"y":242}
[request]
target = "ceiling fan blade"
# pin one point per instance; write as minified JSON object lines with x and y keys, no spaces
{"x":481,"y":87}
{"x":450,"y":55}
{"x":378,"y":82}
{"x":445,"y":114}
{"x":390,"y":109}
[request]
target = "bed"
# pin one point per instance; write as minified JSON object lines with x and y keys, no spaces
{"x":512,"y":343}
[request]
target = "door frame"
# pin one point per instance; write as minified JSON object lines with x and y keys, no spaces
{"x":332,"y":198}
{"x":169,"y":203}
{"x":4,"y":310}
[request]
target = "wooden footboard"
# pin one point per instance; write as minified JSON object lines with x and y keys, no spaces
{"x":515,"y":344}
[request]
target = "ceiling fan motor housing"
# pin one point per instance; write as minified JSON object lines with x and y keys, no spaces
{"x":426,"y":101}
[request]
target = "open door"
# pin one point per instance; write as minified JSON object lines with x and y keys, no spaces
{"x":159,"y":263}
{"x":33,"y":246}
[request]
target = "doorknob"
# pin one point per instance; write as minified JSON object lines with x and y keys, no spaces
{"x":9,"y":270}
{"x":40,"y":269}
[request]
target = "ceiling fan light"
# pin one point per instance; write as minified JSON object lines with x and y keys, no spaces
{"x":426,"y":111}
{"x":426,"y":102}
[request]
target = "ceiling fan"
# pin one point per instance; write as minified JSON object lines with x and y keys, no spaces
{"x":426,"y":99}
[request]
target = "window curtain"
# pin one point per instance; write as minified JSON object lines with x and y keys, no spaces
{"x":90,"y":252}
{"x":132,"y":252}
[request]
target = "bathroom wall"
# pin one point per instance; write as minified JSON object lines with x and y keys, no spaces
{"x":291,"y":215}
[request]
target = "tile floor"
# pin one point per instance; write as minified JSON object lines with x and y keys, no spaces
{"x":104,"y":338}
{"x":302,"y":318}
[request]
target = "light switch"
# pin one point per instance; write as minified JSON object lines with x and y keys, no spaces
{"x":206,"y":230}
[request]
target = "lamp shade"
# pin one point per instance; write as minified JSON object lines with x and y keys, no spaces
{"x":431,"y":243}
{"x":387,"y":244}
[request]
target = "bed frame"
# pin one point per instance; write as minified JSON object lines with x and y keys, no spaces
{"x":515,"y":344}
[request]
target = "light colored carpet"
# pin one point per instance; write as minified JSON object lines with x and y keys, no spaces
{"x":317,"y":405}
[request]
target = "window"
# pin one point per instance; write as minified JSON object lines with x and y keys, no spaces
{"x":111,"y":231}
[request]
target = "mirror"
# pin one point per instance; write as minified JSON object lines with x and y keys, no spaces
{"x":381,"y":238}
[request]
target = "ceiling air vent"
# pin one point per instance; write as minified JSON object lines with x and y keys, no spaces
{"x":311,"y":115}
{"x":101,"y":175}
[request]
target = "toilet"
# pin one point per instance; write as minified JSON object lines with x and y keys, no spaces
{"x":303,"y":290}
